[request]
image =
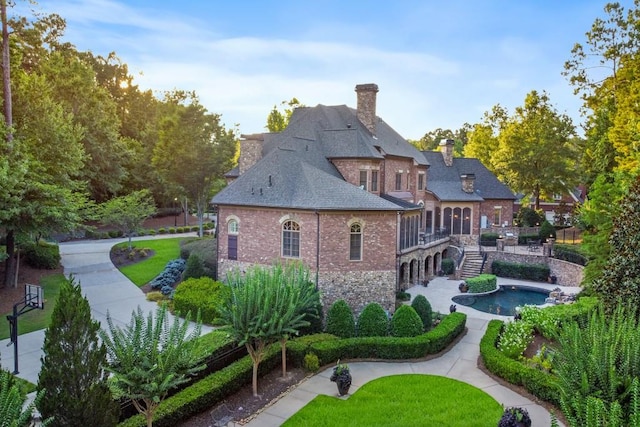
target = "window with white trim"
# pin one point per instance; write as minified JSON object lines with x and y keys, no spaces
{"x":355,"y":242}
{"x":291,"y":239}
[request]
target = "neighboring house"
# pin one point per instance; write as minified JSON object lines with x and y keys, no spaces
{"x":558,"y":209}
{"x":342,"y":192}
{"x":464,"y":197}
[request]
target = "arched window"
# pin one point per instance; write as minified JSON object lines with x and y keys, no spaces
{"x":355,"y":243}
{"x":232,"y":239}
{"x":457,"y":221}
{"x":466,"y":221}
{"x":446,"y":220}
{"x":291,"y":239}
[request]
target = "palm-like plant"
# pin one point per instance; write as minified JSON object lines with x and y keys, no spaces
{"x":13,"y":412}
{"x":149,"y":357}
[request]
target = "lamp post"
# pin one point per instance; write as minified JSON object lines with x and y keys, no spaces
{"x":175,"y":214}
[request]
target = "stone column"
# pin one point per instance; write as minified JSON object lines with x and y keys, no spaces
{"x":500,"y":245}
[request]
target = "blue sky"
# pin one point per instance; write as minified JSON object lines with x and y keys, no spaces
{"x":437,"y":64}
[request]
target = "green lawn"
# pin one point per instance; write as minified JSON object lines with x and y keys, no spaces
{"x":36,"y":319}
{"x":403,"y":400}
{"x":142,"y":272}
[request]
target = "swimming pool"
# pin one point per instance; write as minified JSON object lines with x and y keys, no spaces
{"x":505,"y":300}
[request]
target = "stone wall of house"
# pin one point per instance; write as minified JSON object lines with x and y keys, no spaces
{"x":567,"y":274}
{"x":358,"y":288}
{"x":250,"y":151}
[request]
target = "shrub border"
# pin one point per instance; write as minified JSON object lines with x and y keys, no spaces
{"x":214,"y":388}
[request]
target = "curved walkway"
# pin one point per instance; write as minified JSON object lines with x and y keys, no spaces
{"x":106,"y":289}
{"x":460,"y":363}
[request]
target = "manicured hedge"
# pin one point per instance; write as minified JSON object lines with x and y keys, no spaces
{"x":534,"y":272}
{"x":392,"y":348}
{"x":537,"y":382}
{"x":482,"y":283}
{"x":541,"y":384}
{"x":207,"y":392}
{"x":214,"y":388}
{"x":373,"y":321}
{"x":340,"y":320}
{"x":422,"y":306}
{"x":488,"y":239}
{"x":406,"y":322}
{"x":204,"y":294}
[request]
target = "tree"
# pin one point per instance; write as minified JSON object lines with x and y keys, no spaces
{"x":72,"y":379}
{"x":128,"y":212}
{"x":201,"y":150}
{"x":620,"y":279}
{"x":483,"y":138}
{"x":266,"y":305}
{"x":536,"y":151}
{"x":299,"y":301}
{"x":149,"y":358}
{"x":13,"y":412}
{"x":278,"y":121}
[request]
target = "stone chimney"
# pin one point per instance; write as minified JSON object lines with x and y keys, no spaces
{"x":367,"y":105}
{"x":446,"y":147}
{"x":250,"y":151}
{"x":467,"y":182}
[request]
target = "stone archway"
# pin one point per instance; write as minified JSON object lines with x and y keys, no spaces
{"x":428,"y":267}
{"x":414,"y":272}
{"x":404,"y":276}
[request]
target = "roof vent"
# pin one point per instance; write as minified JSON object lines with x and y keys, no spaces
{"x":252,"y":192}
{"x":270,"y":181}
{"x":261,"y":191}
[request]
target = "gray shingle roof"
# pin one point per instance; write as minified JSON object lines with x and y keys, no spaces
{"x":444,"y":181}
{"x":297,"y":184}
{"x":298,"y":162}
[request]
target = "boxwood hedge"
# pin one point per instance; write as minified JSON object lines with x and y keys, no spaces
{"x":482,"y":283}
{"x":201,"y":395}
{"x":534,"y":272}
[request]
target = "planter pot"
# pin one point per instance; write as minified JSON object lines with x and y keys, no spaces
{"x":342,"y":380}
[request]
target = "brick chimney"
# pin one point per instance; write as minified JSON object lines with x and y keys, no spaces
{"x":367,"y":105}
{"x":446,"y":147}
{"x":250,"y":151}
{"x":468,"y":180}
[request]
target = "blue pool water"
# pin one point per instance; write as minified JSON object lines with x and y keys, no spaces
{"x":504,"y":301}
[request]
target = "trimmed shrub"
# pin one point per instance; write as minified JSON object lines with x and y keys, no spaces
{"x":570,"y":254}
{"x":406,"y":322}
{"x":42,"y":255}
{"x":340,"y":321}
{"x":115,"y":233}
{"x":155,"y":296}
{"x":421,"y":305}
{"x":547,"y":231}
{"x":515,"y":338}
{"x":539,"y":383}
{"x":194,"y":268}
{"x":205,"y":248}
{"x":162,"y":230}
{"x":403,"y":296}
{"x":482,"y":283}
{"x":311,"y":362}
{"x":448,"y":266}
{"x":373,"y":321}
{"x":202,"y":294}
{"x":523,"y":239}
{"x":170,"y":275}
{"x":172,"y":230}
{"x":534,"y":272}
{"x":489,"y":239}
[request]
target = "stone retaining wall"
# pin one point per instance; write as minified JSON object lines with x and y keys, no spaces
{"x":567,"y":274}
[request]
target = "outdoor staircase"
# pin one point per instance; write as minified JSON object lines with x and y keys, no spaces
{"x":471,"y":265}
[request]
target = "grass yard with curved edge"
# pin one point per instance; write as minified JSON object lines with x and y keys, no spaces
{"x":143,"y":272}
{"x":403,"y":400}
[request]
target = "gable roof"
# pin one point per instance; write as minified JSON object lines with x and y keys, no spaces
{"x":298,"y":162}
{"x":444,"y":181}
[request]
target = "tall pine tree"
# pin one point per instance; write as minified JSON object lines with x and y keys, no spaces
{"x":620,"y":280}
{"x":72,"y":374}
